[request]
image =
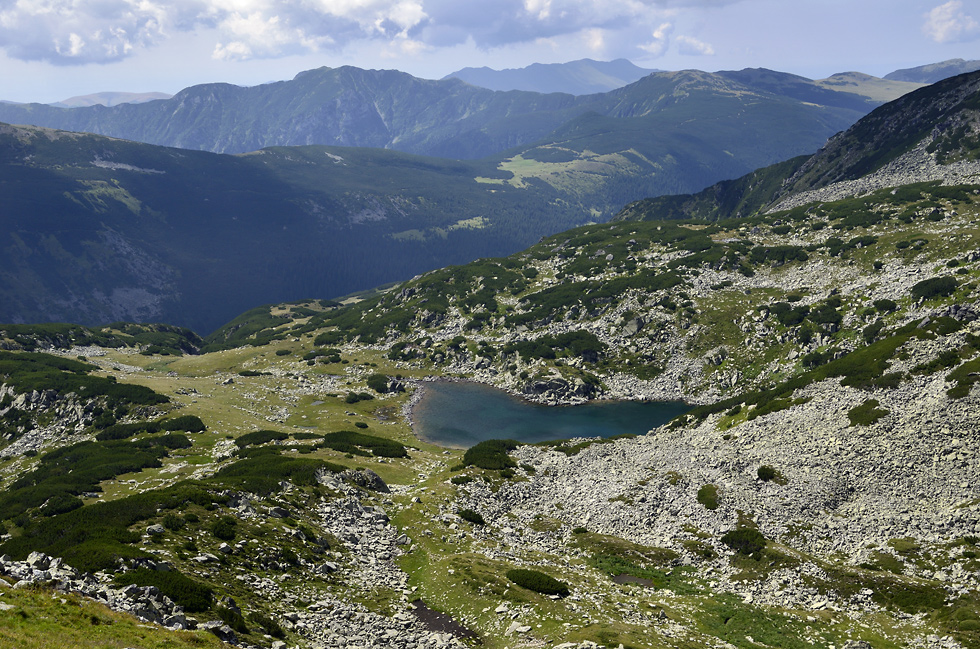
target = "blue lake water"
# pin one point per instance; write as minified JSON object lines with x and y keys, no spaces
{"x":460,"y":414}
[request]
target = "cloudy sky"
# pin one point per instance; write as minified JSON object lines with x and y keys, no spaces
{"x":54,"y":49}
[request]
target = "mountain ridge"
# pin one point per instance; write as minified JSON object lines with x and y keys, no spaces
{"x":916,"y":143}
{"x":352,"y":107}
{"x":581,"y":77}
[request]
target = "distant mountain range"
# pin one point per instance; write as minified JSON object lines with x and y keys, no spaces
{"x":582,"y":77}
{"x":934,"y":72}
{"x":111,"y":99}
{"x":389,"y":109}
{"x":97,"y":229}
{"x":669,"y":132}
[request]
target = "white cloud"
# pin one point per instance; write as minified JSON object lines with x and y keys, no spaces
{"x":661,"y":40}
{"x":693,"y":47}
{"x":595,"y":40}
{"x":86,"y":31}
{"x":948,"y":23}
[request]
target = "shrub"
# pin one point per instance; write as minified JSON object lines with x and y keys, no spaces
{"x":745,"y":540}
{"x":195,"y":597}
{"x":461,"y":479}
{"x":125,"y":431}
{"x":580,"y":530}
{"x":471,"y":516}
{"x":708,"y":496}
{"x":270,"y":626}
{"x":224,"y":528}
{"x":378,"y":383}
{"x":348,"y":441}
{"x":360,"y":424}
{"x":263,"y":473}
{"x":232,"y":618}
{"x":259,"y":437}
{"x":283,"y":352}
{"x":934,"y":287}
{"x":173,"y":522}
{"x":766,"y":473}
{"x":354,"y":397}
{"x":61,"y":504}
{"x":866,"y":414}
{"x":188,"y":423}
{"x":538,"y":582}
{"x":491,"y":454}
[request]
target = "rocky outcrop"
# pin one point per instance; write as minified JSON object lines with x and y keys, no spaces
{"x":145,"y":603}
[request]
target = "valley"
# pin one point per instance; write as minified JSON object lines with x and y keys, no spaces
{"x":263,"y":485}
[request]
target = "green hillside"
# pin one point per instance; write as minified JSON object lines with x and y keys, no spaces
{"x":894,"y":130}
{"x":99,"y":230}
{"x":295,"y":222}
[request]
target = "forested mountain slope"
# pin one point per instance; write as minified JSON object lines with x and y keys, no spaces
{"x":97,"y":230}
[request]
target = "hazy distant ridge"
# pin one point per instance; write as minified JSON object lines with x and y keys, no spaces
{"x":934,"y":71}
{"x":111,"y":99}
{"x":582,"y":77}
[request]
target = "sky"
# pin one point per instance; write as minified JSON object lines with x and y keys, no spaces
{"x":54,"y":49}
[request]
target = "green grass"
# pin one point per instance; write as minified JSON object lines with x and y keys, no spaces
{"x":44,"y":619}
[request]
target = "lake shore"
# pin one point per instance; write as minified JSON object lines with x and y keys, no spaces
{"x":459,"y":417}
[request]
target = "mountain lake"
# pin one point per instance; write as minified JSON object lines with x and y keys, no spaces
{"x":458,"y":414}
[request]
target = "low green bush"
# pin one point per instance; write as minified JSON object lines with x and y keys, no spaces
{"x":538,"y":582}
{"x":866,"y":414}
{"x":348,"y":441}
{"x":224,"y":528}
{"x":263,"y":473}
{"x":125,"y":431}
{"x":194,"y":596}
{"x":491,"y":454}
{"x":708,"y":496}
{"x":378,"y":383}
{"x":268,"y":625}
{"x":174,"y":522}
{"x":471,"y":516}
{"x":934,"y":287}
{"x":187,"y":423}
{"x":744,"y":540}
{"x":260,"y":437}
{"x":354,"y":397}
{"x":232,"y":618}
{"x":73,"y":470}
